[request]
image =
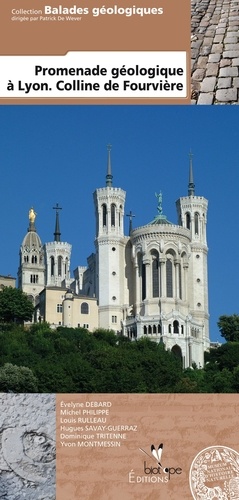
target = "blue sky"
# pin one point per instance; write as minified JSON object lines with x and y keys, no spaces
{"x":58,"y":154}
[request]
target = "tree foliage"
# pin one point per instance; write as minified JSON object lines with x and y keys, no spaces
{"x":225,"y":356}
{"x":229,"y":327}
{"x":17,"y":379}
{"x":15,"y":306}
{"x":74,"y":360}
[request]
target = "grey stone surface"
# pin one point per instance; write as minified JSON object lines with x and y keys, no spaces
{"x":215,"y":46}
{"x":27,"y":447}
{"x":212,"y":69}
{"x":236,"y":82}
{"x":214,"y":58}
{"x":224,"y":83}
{"x":208,"y":84}
{"x":225,"y":72}
{"x":206,"y":98}
{"x":226,"y":95}
{"x":199,"y":74}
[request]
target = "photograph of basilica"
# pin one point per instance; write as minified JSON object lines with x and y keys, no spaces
{"x":150,"y":281}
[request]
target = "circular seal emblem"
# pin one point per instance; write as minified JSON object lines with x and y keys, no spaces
{"x":214,"y":474}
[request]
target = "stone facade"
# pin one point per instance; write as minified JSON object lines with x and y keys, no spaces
{"x":60,"y":306}
{"x":153,"y":283}
{"x":44,"y":275}
{"x":149,"y":284}
{"x":7,"y":281}
{"x":31,"y":271}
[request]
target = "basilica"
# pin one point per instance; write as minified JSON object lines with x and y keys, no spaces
{"x":151,"y":283}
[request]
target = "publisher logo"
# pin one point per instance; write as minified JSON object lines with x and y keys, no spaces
{"x":154,"y":469}
{"x":214,"y":473}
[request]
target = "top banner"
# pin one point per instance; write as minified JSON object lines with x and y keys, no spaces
{"x":95,"y":53}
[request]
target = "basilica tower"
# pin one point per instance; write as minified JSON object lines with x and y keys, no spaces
{"x":192,"y":215}
{"x":110,"y":245}
{"x":57,"y":255}
{"x":31,"y":271}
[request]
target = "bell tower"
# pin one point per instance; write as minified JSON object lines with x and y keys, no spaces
{"x":192,"y":215}
{"x":31,"y":270}
{"x":110,"y":244}
{"x":58,"y":255}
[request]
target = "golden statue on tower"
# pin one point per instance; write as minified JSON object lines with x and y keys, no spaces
{"x":32,"y":215}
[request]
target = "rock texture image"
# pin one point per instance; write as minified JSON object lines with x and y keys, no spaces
{"x":215,"y":51}
{"x":27,"y":447}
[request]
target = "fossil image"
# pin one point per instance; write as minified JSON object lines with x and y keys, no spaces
{"x":27,"y":447}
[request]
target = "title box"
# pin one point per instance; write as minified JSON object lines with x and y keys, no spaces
{"x":120,"y":34}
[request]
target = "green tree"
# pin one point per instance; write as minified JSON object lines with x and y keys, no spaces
{"x":17,"y":379}
{"x":225,"y":356}
{"x":15,"y":306}
{"x":229,"y":327}
{"x":186,"y":385}
{"x":223,"y":381}
{"x":235,"y":381}
{"x":192,"y":380}
{"x":107,"y":336}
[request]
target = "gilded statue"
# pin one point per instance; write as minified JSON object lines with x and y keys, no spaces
{"x":32,"y":215}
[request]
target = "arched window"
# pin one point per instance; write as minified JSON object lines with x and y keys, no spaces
{"x":104,"y":215}
{"x":34,"y":278}
{"x":169,"y":278}
{"x":155,"y":275}
{"x":84,"y":308}
{"x":196,"y":222}
{"x":120,"y":212}
{"x":59,"y":265}
{"x":175,"y":327}
{"x":188,"y":221}
{"x":66,"y":266}
{"x":113,"y":211}
{"x":34,"y":259}
{"x":52,"y":260}
{"x":143,"y":281}
{"x":180,"y":281}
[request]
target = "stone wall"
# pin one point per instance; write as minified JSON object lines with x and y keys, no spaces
{"x":27,"y":446}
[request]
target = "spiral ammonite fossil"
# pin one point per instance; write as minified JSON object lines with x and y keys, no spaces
{"x":31,"y":455}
